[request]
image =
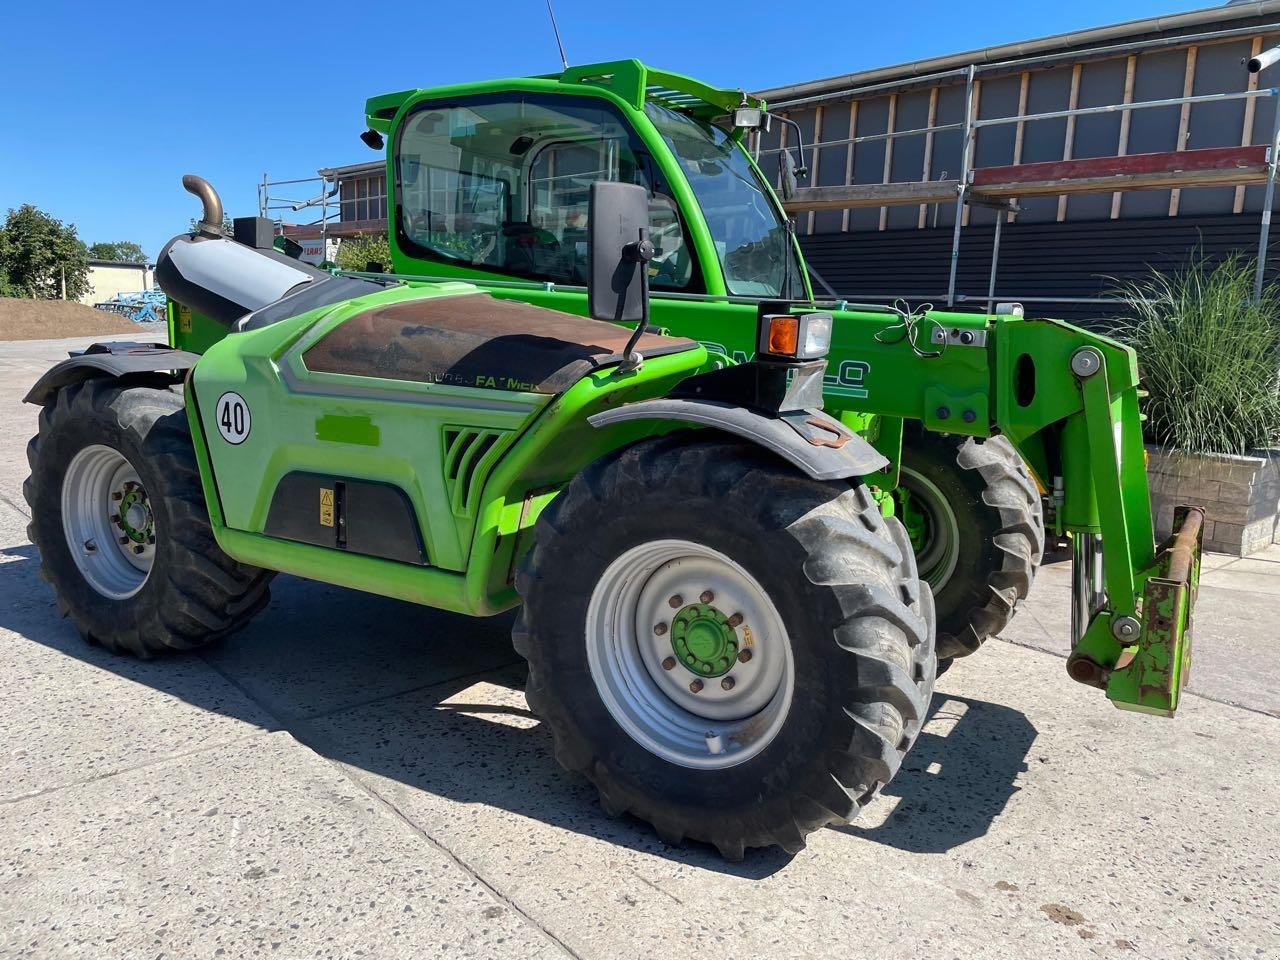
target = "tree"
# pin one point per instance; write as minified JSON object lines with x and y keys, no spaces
{"x":356,"y":253}
{"x":122,"y":251}
{"x":41,"y":256}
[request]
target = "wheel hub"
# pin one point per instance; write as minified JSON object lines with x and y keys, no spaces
{"x":135,"y":519}
{"x":703,"y":640}
{"x":108,"y":522}
{"x":692,"y":683}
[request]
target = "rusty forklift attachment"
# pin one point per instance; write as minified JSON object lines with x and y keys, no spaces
{"x":1149,"y":677}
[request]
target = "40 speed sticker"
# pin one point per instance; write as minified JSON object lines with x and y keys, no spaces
{"x":232,"y":414}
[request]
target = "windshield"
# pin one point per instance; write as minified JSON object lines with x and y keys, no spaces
{"x":751,"y":240}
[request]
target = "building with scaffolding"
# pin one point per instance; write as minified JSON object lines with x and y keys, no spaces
{"x":1041,"y":171}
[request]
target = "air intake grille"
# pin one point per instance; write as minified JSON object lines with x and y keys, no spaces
{"x":468,"y":456}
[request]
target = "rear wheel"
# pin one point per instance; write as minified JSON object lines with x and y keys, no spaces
{"x":118,"y":515}
{"x":728,"y":650}
{"x":974,"y":517}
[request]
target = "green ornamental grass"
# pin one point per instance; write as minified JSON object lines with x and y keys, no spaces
{"x":1209,"y":356}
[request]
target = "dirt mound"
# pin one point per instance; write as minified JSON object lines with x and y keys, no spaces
{"x":54,"y":319}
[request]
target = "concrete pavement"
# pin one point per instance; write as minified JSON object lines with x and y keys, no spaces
{"x":354,"y":776}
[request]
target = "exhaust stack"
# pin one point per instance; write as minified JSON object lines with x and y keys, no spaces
{"x":211,"y":225}
{"x":243,"y":283}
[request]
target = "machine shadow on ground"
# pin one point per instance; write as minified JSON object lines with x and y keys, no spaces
{"x":386,"y":687}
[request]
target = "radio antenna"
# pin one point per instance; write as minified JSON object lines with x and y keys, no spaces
{"x":564,"y":62}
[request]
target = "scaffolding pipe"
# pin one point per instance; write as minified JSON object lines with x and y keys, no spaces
{"x":966,"y":158}
{"x":1126,"y":107}
{"x":1263,"y":60}
{"x":995,"y":262}
{"x":1264,"y":234}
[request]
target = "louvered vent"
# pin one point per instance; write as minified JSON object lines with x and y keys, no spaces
{"x":468,"y":455}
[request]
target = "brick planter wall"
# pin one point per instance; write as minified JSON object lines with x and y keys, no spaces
{"x":1241,"y":496}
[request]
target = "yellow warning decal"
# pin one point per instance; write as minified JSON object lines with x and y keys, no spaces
{"x":184,"y":319}
{"x":747,"y":639}
{"x":326,"y":507}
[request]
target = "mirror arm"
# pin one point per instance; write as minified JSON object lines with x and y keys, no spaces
{"x":640,"y":252}
{"x":803,"y":169}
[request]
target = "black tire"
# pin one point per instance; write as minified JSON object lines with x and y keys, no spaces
{"x":194,"y":594}
{"x":996,"y":511}
{"x":843,"y":581}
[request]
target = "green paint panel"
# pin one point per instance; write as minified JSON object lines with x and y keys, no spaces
{"x":361,"y":431}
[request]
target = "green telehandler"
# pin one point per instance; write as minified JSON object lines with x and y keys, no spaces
{"x":489,"y":184}
{"x":688,"y":490}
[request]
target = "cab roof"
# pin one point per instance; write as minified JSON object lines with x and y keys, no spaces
{"x":632,"y":81}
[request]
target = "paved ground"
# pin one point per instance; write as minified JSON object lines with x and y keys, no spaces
{"x":356,"y":777}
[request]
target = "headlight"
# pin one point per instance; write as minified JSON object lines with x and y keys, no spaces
{"x":795,"y":336}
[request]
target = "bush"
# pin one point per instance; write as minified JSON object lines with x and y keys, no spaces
{"x":1209,"y":355}
{"x":356,"y":253}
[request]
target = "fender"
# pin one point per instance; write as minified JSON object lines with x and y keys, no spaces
{"x":815,"y":442}
{"x":114,"y":360}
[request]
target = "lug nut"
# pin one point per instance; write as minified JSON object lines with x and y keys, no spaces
{"x":137,"y":548}
{"x":727,"y":683}
{"x":90,"y":546}
{"x":151,"y":539}
{"x":659,"y":628}
{"x":707,"y":596}
{"x":124,"y":541}
{"x":117,"y":495}
{"x":676,"y":601}
{"x":735,"y":621}
{"x":115,"y":518}
{"x":744,"y":655}
{"x":695,"y":686}
{"x":669,"y":663}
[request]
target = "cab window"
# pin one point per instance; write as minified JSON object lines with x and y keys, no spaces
{"x":502,"y":183}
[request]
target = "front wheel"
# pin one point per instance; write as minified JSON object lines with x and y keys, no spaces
{"x":730,"y":651}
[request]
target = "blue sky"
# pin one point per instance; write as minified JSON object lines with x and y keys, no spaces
{"x":104,"y":106}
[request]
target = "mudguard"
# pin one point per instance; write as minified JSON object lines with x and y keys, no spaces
{"x":112,"y":360}
{"x":815,"y":442}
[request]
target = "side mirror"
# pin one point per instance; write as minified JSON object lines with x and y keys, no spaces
{"x":618,"y":255}
{"x":617,"y":249}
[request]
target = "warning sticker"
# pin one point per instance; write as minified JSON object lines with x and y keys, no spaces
{"x":747,"y":639}
{"x":326,"y":507}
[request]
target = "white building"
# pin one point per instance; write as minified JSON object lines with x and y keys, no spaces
{"x":107,"y":278}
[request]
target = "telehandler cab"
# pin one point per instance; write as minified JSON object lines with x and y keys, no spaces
{"x":724,"y":624}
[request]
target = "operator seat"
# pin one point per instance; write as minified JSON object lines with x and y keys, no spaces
{"x":477,"y":340}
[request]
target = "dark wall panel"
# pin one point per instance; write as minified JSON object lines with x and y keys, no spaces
{"x":1159,"y":76}
{"x":993,"y":146}
{"x":1097,"y":135}
{"x":830,"y":162}
{"x":1218,"y":70}
{"x":868,"y":158}
{"x":908,"y":153}
{"x":1036,"y":259}
{"x":1044,"y":140}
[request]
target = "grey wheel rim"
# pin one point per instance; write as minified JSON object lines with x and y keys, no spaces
{"x":107,"y":519}
{"x":940,"y":555}
{"x":704,"y":720}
